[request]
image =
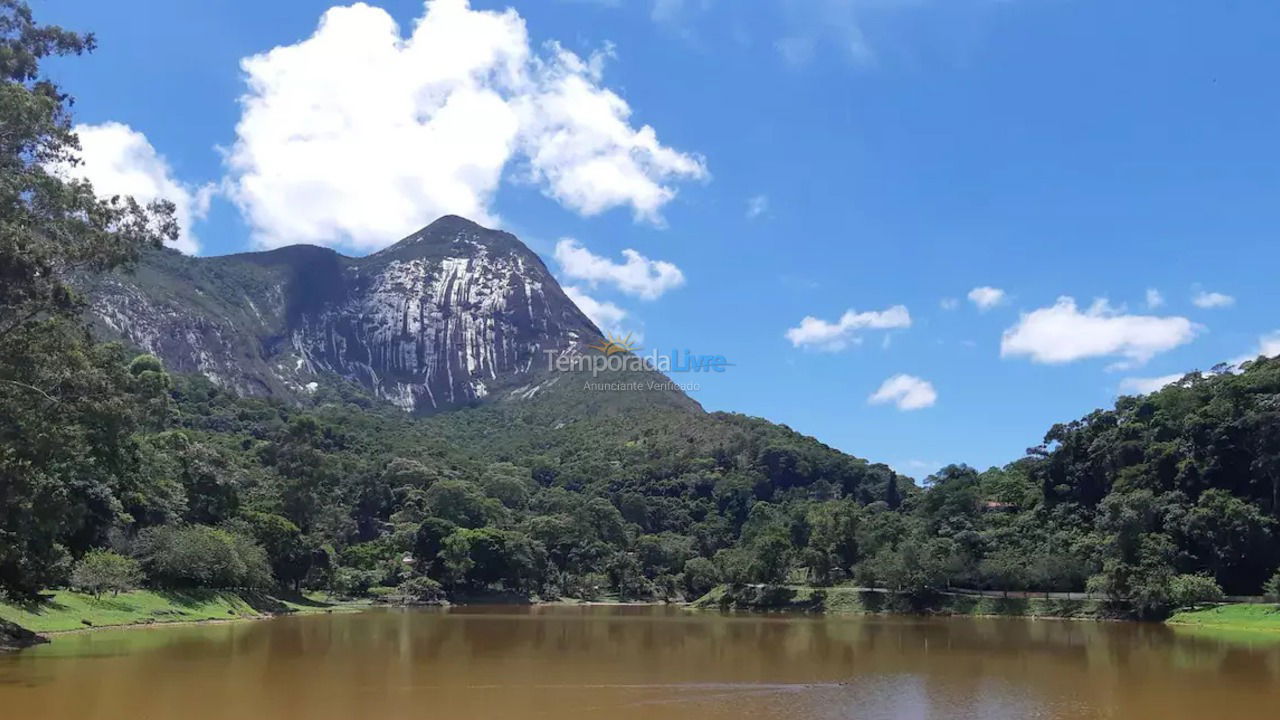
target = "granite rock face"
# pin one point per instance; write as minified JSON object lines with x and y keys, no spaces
{"x":442,"y":319}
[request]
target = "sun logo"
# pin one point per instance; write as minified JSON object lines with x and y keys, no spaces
{"x":613,"y":344}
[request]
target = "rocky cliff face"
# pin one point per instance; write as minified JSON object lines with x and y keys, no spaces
{"x":442,"y":319}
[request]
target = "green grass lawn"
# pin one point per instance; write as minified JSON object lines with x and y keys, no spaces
{"x":67,"y":610}
{"x":1232,"y":617}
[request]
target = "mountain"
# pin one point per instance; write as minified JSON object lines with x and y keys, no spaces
{"x":452,"y":315}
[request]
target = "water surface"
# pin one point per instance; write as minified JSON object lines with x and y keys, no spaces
{"x":566,"y":663}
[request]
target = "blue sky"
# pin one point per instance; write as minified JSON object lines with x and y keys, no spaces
{"x":878,"y":161}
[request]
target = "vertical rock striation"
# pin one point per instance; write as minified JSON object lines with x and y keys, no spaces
{"x":442,"y":319}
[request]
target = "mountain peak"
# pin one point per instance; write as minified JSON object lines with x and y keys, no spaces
{"x":446,"y":317}
{"x":453,"y":234}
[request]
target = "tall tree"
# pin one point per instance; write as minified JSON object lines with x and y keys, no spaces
{"x":64,"y":415}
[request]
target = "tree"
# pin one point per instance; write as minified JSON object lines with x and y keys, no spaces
{"x":65,"y":418}
{"x":1191,"y":590}
{"x":833,"y":540}
{"x":102,"y":570}
{"x":202,"y":556}
{"x":771,"y":558}
{"x":461,"y":503}
{"x":1271,"y":588}
{"x":699,"y":577}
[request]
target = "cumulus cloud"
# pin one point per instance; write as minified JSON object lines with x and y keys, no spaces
{"x":119,"y":160}
{"x":605,"y":315}
{"x":986,"y":297}
{"x":359,"y":134}
{"x":1210,"y":300}
{"x":822,"y":335}
{"x":1268,"y":346}
{"x":1143,"y":386}
{"x":1062,"y":333}
{"x":908,"y":392}
{"x":757,"y":205}
{"x":638,"y":275}
{"x":1154,"y":299}
{"x":948,"y":303}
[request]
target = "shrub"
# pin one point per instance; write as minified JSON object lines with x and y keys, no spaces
{"x":699,"y":577}
{"x":1272,"y":588}
{"x":102,"y":570}
{"x":203,"y":556}
{"x":423,"y":589}
{"x":1192,"y":590}
{"x":350,"y":582}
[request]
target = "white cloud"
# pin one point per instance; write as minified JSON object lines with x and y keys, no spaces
{"x":605,"y":315}
{"x":1209,"y":300}
{"x":756,"y":206}
{"x":986,"y":297}
{"x":1062,"y":334}
{"x":119,"y":160}
{"x":832,"y":337}
{"x":1143,"y":386}
{"x":1154,"y":299}
{"x":908,"y":392}
{"x":948,"y":303}
{"x":358,"y":134}
{"x":1268,"y":346}
{"x":639,"y":276}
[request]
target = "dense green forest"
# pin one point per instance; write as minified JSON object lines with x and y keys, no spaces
{"x":114,"y":472}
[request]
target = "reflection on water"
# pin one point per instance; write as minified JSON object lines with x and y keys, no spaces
{"x":640,"y":662}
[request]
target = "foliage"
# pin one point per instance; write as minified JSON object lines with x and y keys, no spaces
{"x":421,"y":588}
{"x":1187,"y":591}
{"x":67,"y":407}
{"x":1271,"y":588}
{"x":202,"y":556}
{"x":102,"y":570}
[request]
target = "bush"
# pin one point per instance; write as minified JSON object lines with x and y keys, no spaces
{"x":350,"y":582}
{"x":1191,"y":590}
{"x":1272,"y":588}
{"x":102,"y":570}
{"x":422,"y":589}
{"x":203,"y":556}
{"x":699,"y":577}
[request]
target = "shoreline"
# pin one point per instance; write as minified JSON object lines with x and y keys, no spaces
{"x":293,"y":609}
{"x":66,"y":612}
{"x":1258,"y":620}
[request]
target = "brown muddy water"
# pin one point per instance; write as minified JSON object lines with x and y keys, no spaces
{"x":510,"y":663}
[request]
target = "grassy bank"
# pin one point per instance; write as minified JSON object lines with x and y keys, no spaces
{"x":65,"y":610}
{"x":1252,"y":618}
{"x":859,"y":601}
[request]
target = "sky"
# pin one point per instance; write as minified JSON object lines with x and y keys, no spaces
{"x":923,"y":231}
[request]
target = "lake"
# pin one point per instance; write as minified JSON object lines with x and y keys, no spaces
{"x":567,"y":662}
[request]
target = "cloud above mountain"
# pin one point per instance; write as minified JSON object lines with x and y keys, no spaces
{"x":360,"y":131}
{"x":607,"y":316}
{"x":637,"y":275}
{"x":118,"y":160}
